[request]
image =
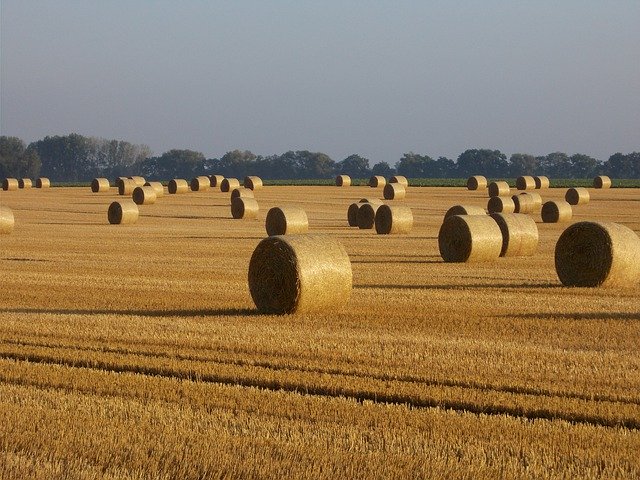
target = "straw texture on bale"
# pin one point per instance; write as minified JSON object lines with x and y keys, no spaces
{"x":228,"y":184}
{"x":394,"y":219}
{"x":157,"y":186}
{"x":465,"y":210}
{"x":525,"y":182}
{"x":244,"y":207}
{"x":556,"y":211}
{"x":139,"y":181}
{"x":367,"y":215}
{"x":286,"y":221}
{"x":541,"y":182}
{"x":577,"y":196}
{"x":122,"y":212}
{"x":592,"y":254}
{"x":498,"y":189}
{"x":399,"y":179}
{"x":469,"y":238}
{"x":25,"y":183}
{"x":6,"y":220}
{"x":300,"y":274}
{"x":252,"y":182}
{"x":371,"y":200}
{"x":343,"y":181}
{"x":43,"y":182}
{"x":126,"y":186}
{"x":519,"y":234}
{"x":501,"y":205}
{"x":241,"y":192}
{"x":536,"y":198}
{"x":215,"y":180}
{"x":199,"y":184}
{"x":144,"y":195}
{"x":10,"y":184}
{"x":523,"y":203}
{"x":601,"y":181}
{"x":377,"y":181}
{"x":100,"y":185}
{"x":394,"y":191}
{"x":178,"y":185}
{"x":477,"y":182}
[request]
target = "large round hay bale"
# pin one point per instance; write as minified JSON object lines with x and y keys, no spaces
{"x":138,"y":180}
{"x":215,"y":180}
{"x":477,"y":182}
{"x":43,"y":182}
{"x":465,"y":210}
{"x":286,"y":221}
{"x":100,"y":185}
{"x":394,"y":191}
{"x":244,"y":207}
{"x":177,"y":185}
{"x":556,"y":211}
{"x":536,"y":198}
{"x":541,"y":182}
{"x":601,"y":181}
{"x":501,"y":205}
{"x":525,"y":182}
{"x":157,"y":186}
{"x":25,"y":183}
{"x":577,"y":196}
{"x":300,"y":274}
{"x":519,"y":234}
{"x":523,"y":203}
{"x":366,"y":216}
{"x":498,"y":189}
{"x":394,"y":219}
{"x":10,"y":184}
{"x":469,"y":238}
{"x":6,"y":220}
{"x":201,"y":183}
{"x":122,"y":212}
{"x":144,"y":195}
{"x":377,"y":181}
{"x":343,"y":181}
{"x":252,"y":182}
{"x":241,"y":192}
{"x":592,"y":254}
{"x":126,"y":186}
{"x":399,"y":179}
{"x":228,"y":184}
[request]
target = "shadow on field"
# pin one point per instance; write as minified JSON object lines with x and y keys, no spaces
{"x":220,"y":237}
{"x":397,"y":261}
{"x":580,"y":316}
{"x":215,"y":312}
{"x":460,"y":287}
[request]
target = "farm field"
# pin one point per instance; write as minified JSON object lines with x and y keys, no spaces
{"x":135,"y":351}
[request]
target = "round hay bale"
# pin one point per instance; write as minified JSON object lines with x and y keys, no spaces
{"x":201,"y":183}
{"x":241,"y":192}
{"x":100,"y":185}
{"x":122,"y":212}
{"x":10,"y":184}
{"x":157,"y":186}
{"x":399,"y":179}
{"x":394,"y":219}
{"x":343,"y":181}
{"x":558,"y":211}
{"x":465,"y":210}
{"x":144,"y":195}
{"x":501,"y":205}
{"x":228,"y":184}
{"x":498,"y":189}
{"x":126,"y":186}
{"x":394,"y":191}
{"x":525,"y":182}
{"x":469,"y":238}
{"x":371,"y":200}
{"x":593,"y":254}
{"x":300,"y":274}
{"x":541,"y":182}
{"x":139,"y":181}
{"x":25,"y":183}
{"x":536,"y":198}
{"x":366,"y":216}
{"x":577,"y":196}
{"x":523,"y":203}
{"x":286,"y":221}
{"x":244,"y":207}
{"x":519,"y":234}
{"x":352,"y":214}
{"x":477,"y":182}
{"x":601,"y":181}
{"x":43,"y":182}
{"x":215,"y":180}
{"x":7,"y":221}
{"x":377,"y":181}
{"x":177,"y":185}
{"x":252,"y":182}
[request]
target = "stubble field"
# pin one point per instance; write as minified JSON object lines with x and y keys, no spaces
{"x":135,"y":351}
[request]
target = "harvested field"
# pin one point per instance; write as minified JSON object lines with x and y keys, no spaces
{"x":137,"y":352}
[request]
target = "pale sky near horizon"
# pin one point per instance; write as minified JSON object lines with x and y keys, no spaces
{"x":378,"y":78}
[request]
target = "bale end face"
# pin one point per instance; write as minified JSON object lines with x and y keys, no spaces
{"x":541,"y":182}
{"x":525,"y":182}
{"x":25,"y":183}
{"x":577,"y":196}
{"x":177,"y":185}
{"x":100,"y":185}
{"x":244,"y":207}
{"x":601,"y":181}
{"x":144,"y":195}
{"x":477,"y":182}
{"x":377,"y":181}
{"x":556,"y":211}
{"x":252,"y":182}
{"x":394,"y":191}
{"x":123,"y":212}
{"x":43,"y":182}
{"x":501,"y":205}
{"x":498,"y":189}
{"x":199,"y":184}
{"x":10,"y":184}
{"x":469,"y":238}
{"x":352,"y":214}
{"x":229,"y":184}
{"x":215,"y":180}
{"x":286,"y":221}
{"x":343,"y":181}
{"x":393,"y":220}
{"x":366,"y":217}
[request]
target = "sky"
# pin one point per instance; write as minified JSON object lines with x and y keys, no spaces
{"x":377,"y":78}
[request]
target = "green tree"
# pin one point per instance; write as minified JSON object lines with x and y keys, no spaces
{"x":355,"y":166}
{"x":623,"y":166}
{"x":16,"y":160}
{"x":236,"y":163}
{"x":583,"y":166}
{"x":383,"y":168}
{"x":416,"y":166}
{"x":522,"y":164}
{"x":490,"y":163}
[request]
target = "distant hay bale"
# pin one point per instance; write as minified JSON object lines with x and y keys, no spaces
{"x":252,"y":182}
{"x":541,"y":182}
{"x":157,"y":186}
{"x":201,"y":183}
{"x":477,"y":182}
{"x":244,"y":207}
{"x":399,"y":179}
{"x":139,"y":181}
{"x":469,"y":238}
{"x":577,"y":196}
{"x":144,"y":195}
{"x":377,"y":181}
{"x":7,"y":221}
{"x":300,"y":274}
{"x":177,"y":185}
{"x":394,"y":191}
{"x":215,"y":180}
{"x":366,"y":216}
{"x":286,"y":221}
{"x":601,"y":181}
{"x":43,"y":182}
{"x":523,"y":203}
{"x":501,"y":205}
{"x":228,"y":184}
{"x":519,"y":234}
{"x":525,"y":182}
{"x":592,"y":254}
{"x":10,"y":184}
{"x":556,"y":211}
{"x":498,"y":189}
{"x":241,"y":192}
{"x":343,"y":181}
{"x":25,"y":183}
{"x":123,"y":212}
{"x":393,"y":220}
{"x":100,"y":185}
{"x":126,"y":186}
{"x":465,"y":210}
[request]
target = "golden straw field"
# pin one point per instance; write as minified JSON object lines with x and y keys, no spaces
{"x":135,"y":351}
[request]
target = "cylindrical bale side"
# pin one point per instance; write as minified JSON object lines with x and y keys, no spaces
{"x":123,"y":212}
{"x":498,"y":189}
{"x":300,"y":274}
{"x":228,"y":184}
{"x":556,"y":211}
{"x":242,"y":192}
{"x":7,"y":221}
{"x":469,"y":238}
{"x":138,"y":180}
{"x":178,"y":185}
{"x":252,"y":182}
{"x":157,"y":186}
{"x":601,"y":181}
{"x":25,"y":183}
{"x":100,"y":185}
{"x":541,"y":182}
{"x":400,"y":179}
{"x":144,"y":195}
{"x":201,"y":183}
{"x":377,"y":181}
{"x":43,"y":182}
{"x":10,"y":184}
{"x":536,"y":198}
{"x":343,"y":181}
{"x":244,"y":207}
{"x":592,"y":254}
{"x":394,"y":191}
{"x":477,"y":182}
{"x":525,"y":182}
{"x":367,"y":215}
{"x":465,"y":210}
{"x":126,"y":186}
{"x":577,"y":196}
{"x":371,"y":200}
{"x":286,"y":221}
{"x":394,"y":219}
{"x":519,"y":234}
{"x":215,"y":180}
{"x":501,"y":205}
{"x":523,"y":203}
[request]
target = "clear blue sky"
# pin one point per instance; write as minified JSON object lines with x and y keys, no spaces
{"x":378,"y":78}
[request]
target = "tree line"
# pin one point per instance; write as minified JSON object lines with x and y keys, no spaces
{"x":77,"y":158}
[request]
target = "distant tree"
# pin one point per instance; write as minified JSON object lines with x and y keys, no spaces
{"x":383,"y":168}
{"x":445,"y":168}
{"x":119,"y":158}
{"x":237,"y":163}
{"x":623,"y":166}
{"x":173,"y":164}
{"x":310,"y":164}
{"x":69,"y":158}
{"x":16,"y":160}
{"x":355,"y":166}
{"x":416,"y":166}
{"x":522,"y":164}
{"x":491,"y":163}
{"x":583,"y":166}
{"x":556,"y":164}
